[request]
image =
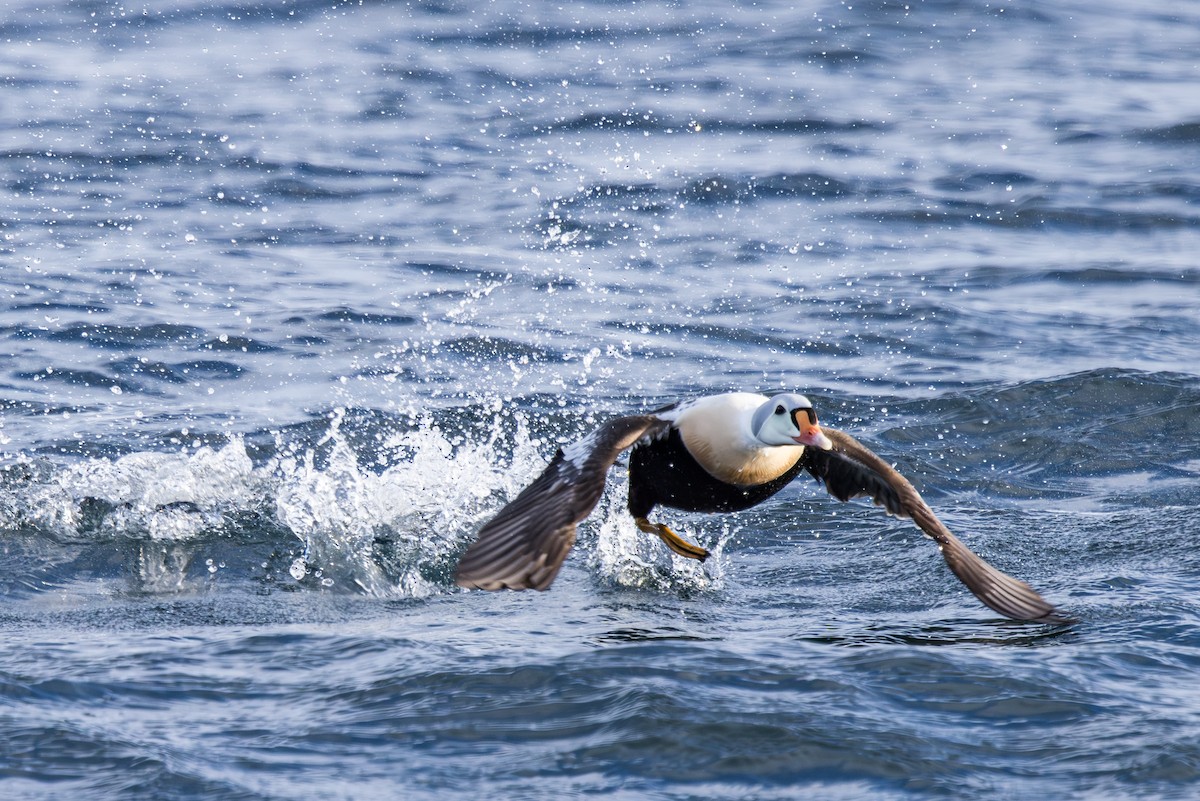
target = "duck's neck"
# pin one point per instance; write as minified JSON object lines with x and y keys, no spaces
{"x":716,"y":431}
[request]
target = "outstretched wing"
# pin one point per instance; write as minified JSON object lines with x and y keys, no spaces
{"x":524,"y":545}
{"x":851,"y":470}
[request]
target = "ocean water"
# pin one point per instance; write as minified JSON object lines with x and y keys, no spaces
{"x":295,"y":295}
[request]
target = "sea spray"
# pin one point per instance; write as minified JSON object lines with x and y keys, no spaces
{"x":385,"y":516}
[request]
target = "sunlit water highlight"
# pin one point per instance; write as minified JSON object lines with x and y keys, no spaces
{"x":296,"y":297}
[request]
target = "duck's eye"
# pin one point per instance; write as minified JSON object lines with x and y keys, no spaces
{"x":779,"y":410}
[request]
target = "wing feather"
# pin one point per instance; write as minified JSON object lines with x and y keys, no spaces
{"x":851,"y":470}
{"x":525,"y":544}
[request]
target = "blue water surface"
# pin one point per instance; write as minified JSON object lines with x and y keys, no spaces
{"x":296,"y":295}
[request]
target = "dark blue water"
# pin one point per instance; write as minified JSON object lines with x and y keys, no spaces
{"x":294,"y":296}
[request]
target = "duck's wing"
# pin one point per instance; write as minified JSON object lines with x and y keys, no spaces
{"x":524,"y":545}
{"x":851,"y":470}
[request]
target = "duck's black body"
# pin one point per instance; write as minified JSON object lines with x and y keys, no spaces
{"x":722,"y":453}
{"x":663,"y":473}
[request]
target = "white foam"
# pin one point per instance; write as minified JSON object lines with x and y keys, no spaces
{"x":163,"y":496}
{"x":629,"y":557}
{"x":424,"y":506}
{"x":390,"y":532}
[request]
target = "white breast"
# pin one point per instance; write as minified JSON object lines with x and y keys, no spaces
{"x":716,"y":431}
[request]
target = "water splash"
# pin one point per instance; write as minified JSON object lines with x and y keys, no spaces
{"x":385,"y":515}
{"x":144,"y":495}
{"x":630,"y":558}
{"x":323,"y":516}
{"x":395,"y":532}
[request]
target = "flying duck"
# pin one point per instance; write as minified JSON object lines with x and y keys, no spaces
{"x":721,"y":453}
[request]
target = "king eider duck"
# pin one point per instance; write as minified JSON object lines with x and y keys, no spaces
{"x":721,"y":453}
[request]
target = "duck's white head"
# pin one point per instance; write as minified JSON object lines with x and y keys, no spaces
{"x":789,"y":419}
